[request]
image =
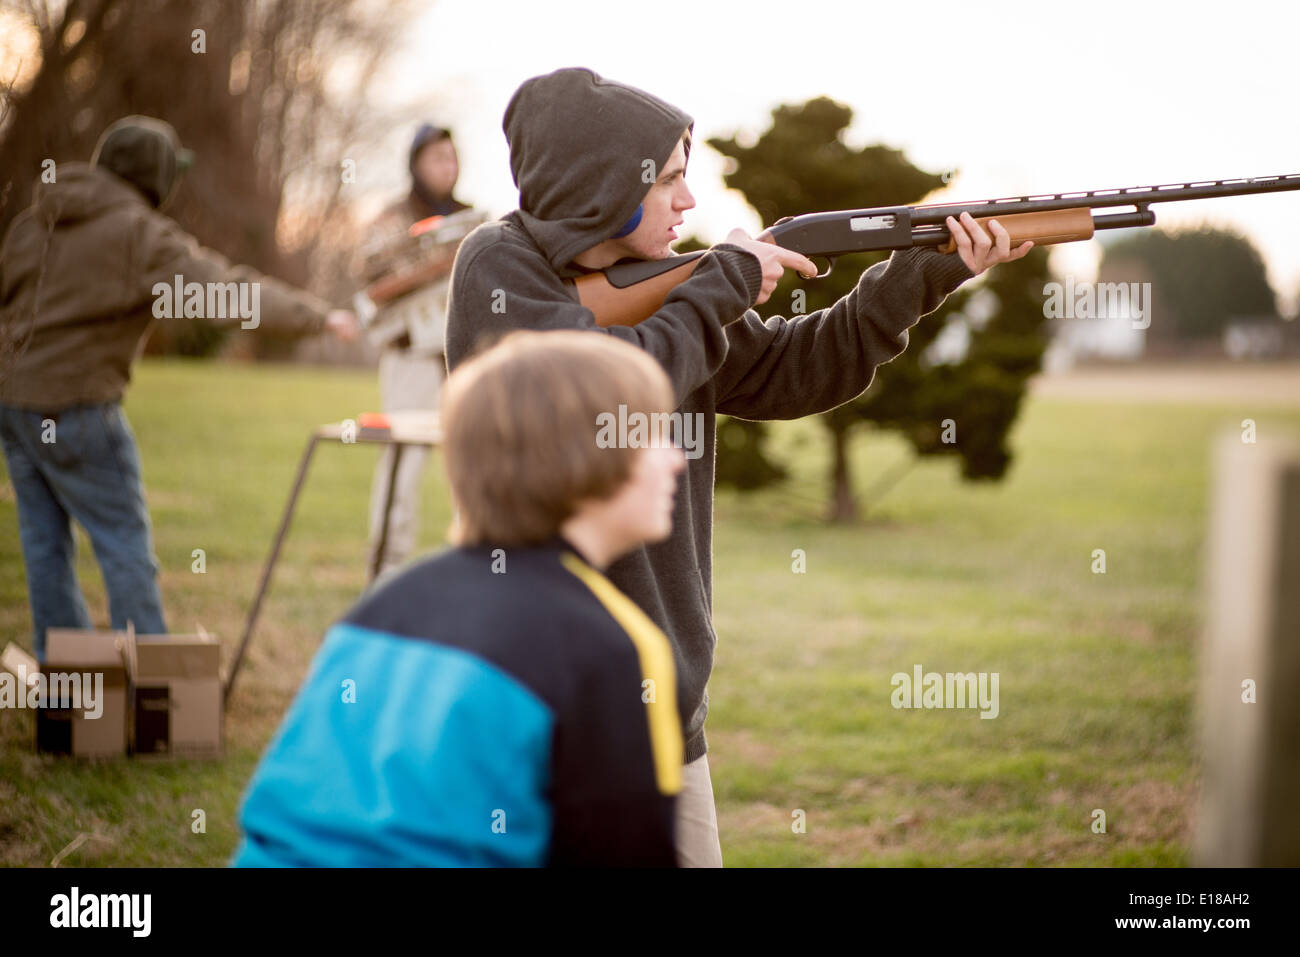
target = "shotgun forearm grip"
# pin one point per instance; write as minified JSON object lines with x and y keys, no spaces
{"x":1054,"y":226}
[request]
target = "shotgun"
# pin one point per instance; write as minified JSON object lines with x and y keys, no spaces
{"x":628,"y":293}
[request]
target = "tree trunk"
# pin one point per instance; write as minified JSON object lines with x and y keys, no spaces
{"x":844,"y":509}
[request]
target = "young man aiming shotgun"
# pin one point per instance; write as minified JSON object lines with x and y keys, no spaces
{"x":600,"y":168}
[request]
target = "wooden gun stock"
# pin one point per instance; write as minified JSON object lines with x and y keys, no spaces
{"x":626,"y":295}
{"x":630,"y":293}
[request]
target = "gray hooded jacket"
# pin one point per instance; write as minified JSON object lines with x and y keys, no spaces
{"x":577,"y":143}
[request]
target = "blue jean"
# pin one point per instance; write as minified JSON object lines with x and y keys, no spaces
{"x":81,"y":463}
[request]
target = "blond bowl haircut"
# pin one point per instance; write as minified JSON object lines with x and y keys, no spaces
{"x":520,"y":427}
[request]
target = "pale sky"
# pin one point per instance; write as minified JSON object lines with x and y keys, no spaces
{"x":1021,"y":97}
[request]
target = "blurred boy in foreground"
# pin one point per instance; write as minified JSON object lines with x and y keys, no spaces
{"x":500,"y":703}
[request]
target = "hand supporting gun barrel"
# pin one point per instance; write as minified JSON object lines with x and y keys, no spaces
{"x":625,"y":294}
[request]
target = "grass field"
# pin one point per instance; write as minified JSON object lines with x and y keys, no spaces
{"x":1096,"y":670}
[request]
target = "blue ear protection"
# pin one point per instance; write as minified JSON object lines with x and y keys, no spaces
{"x":631,"y":224}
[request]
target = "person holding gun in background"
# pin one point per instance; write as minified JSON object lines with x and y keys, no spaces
{"x":406,"y":277}
{"x":78,"y":271}
{"x":601,"y":168}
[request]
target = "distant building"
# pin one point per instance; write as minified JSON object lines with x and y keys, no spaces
{"x":1254,"y":337}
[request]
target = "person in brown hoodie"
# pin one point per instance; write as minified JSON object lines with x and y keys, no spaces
{"x":85,"y":272}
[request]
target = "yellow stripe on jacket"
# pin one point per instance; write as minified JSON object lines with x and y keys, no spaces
{"x":656,"y":657}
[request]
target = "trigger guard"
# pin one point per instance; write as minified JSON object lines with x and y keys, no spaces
{"x":830,"y":264}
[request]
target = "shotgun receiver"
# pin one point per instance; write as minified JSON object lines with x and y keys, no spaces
{"x":627,"y":293}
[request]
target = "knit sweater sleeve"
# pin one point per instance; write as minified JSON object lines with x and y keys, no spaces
{"x":781,"y":368}
{"x":498,"y":287}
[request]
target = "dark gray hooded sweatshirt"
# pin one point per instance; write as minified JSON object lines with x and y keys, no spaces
{"x":577,"y":146}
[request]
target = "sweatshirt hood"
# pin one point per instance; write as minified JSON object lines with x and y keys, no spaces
{"x":422,"y":199}
{"x":578,"y":150}
{"x":145,"y":152}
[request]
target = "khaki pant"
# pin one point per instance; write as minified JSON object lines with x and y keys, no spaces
{"x":697,"y":818}
{"x":406,"y":382}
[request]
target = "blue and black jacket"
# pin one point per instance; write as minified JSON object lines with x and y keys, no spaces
{"x":493,"y":707}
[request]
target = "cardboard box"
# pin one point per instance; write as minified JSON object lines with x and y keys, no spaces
{"x":177,"y":695}
{"x":104,"y":693}
{"x":87,"y":693}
